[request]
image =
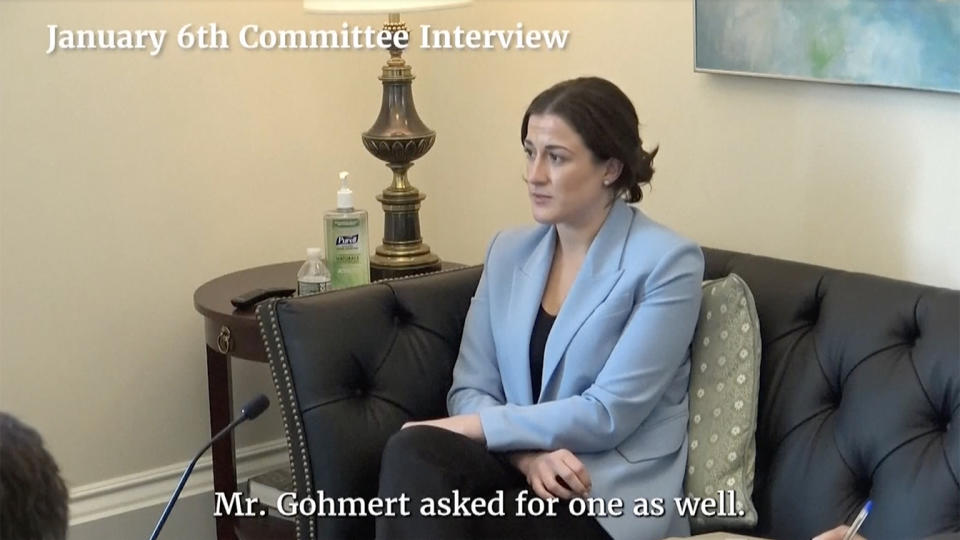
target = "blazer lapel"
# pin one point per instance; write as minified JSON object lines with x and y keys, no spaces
{"x":526,"y":294}
{"x":600,"y":272}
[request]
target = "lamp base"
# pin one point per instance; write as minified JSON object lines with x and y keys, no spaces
{"x":381,"y":269}
{"x":399,"y":137}
{"x":403,"y":252}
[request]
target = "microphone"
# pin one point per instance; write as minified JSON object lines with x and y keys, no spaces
{"x":255,"y":407}
{"x":249,"y":411}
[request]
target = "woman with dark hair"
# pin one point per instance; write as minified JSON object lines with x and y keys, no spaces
{"x":571,"y":381}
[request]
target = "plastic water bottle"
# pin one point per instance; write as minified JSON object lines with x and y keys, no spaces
{"x":313,"y":276}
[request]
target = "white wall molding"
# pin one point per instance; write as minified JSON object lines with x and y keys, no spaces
{"x":100,"y":500}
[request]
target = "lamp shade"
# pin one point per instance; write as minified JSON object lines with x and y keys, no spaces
{"x":378,"y":6}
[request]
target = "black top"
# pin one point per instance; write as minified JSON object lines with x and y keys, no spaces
{"x":538,"y":342}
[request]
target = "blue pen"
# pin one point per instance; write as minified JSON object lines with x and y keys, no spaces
{"x":861,"y":517}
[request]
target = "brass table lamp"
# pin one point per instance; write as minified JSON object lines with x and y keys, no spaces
{"x":398,"y":137}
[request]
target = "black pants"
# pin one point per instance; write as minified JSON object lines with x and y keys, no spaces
{"x":428,"y":462}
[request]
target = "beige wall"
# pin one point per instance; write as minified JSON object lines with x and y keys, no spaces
{"x":127,"y":181}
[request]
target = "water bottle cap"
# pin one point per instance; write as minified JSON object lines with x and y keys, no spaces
{"x":314,"y":253}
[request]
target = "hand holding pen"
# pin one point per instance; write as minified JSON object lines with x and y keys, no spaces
{"x":844,"y":532}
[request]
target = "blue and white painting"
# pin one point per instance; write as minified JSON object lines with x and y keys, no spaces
{"x":901,"y":43}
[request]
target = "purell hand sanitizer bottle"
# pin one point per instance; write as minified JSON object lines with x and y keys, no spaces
{"x":348,"y":255}
{"x":313,"y":276}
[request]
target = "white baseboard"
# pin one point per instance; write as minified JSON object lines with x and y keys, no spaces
{"x":107,"y":498}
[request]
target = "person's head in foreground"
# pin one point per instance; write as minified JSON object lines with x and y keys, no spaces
{"x":583,"y":147}
{"x":33,"y":497}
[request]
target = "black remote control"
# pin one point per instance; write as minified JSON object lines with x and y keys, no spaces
{"x":250,"y":298}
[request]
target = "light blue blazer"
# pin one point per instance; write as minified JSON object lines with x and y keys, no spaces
{"x":615,"y":368}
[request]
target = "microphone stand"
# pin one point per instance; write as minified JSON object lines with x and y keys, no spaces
{"x":249,"y":411}
{"x":186,"y":474}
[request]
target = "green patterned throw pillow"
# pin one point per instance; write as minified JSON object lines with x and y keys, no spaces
{"x":724,"y":381}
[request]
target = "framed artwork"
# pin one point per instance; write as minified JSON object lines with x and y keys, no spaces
{"x":897,"y":43}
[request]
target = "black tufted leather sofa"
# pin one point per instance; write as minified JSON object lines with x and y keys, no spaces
{"x":859,"y":391}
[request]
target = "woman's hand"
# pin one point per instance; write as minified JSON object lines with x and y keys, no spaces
{"x":837,"y":533}
{"x":467,"y":425}
{"x":553,"y":474}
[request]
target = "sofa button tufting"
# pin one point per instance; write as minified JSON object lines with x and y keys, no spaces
{"x":812,"y":313}
{"x":912,"y":335}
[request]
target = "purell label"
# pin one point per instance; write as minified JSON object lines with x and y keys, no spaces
{"x":348,"y":241}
